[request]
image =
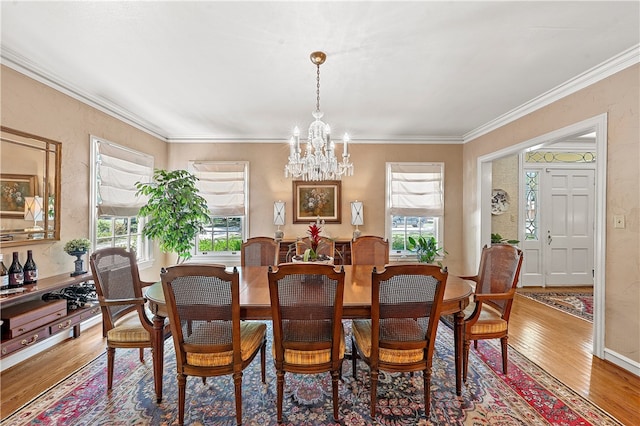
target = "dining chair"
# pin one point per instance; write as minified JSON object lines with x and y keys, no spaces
{"x":308,"y":336}
{"x":259,"y":251}
{"x":203,"y":303}
{"x":369,"y":250}
{"x":125,"y":321}
{"x":406,"y":301}
{"x":487,"y":317}
{"x":326,"y":246}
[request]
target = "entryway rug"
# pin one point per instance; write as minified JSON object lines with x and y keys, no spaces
{"x":527,"y":396}
{"x":574,"y":303}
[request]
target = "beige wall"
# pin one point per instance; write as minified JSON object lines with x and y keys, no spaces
{"x":504,"y":175}
{"x":618,"y":96}
{"x":35,"y":108}
{"x":268,"y":184}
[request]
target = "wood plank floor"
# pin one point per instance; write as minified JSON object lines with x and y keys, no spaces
{"x":558,"y":342}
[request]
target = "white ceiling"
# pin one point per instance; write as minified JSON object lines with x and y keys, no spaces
{"x":395,"y":71}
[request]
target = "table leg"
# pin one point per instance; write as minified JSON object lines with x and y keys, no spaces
{"x":458,"y":337}
{"x":158,"y":354}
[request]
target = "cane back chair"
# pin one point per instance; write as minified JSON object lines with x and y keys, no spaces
{"x":259,"y":251}
{"x":308,"y":336}
{"x":203,"y":302}
{"x":369,"y":250}
{"x":406,"y":301}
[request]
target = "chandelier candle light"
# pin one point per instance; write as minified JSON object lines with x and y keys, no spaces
{"x":319,"y":162}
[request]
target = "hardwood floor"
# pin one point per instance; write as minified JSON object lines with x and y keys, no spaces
{"x":558,"y":342}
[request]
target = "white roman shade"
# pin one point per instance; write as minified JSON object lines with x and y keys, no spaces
{"x":118,"y":170}
{"x":222,"y":184}
{"x":416,"y":189}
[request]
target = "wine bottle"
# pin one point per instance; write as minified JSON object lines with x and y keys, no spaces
{"x":4,"y":274}
{"x":16,"y":273}
{"x":30,"y":269}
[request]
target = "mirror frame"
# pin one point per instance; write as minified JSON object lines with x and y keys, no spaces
{"x":49,"y":147}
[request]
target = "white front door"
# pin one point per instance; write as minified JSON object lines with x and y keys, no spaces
{"x":568,"y":225}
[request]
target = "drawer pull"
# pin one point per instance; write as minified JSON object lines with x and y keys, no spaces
{"x":4,"y":351}
{"x":32,"y":341}
{"x":65,"y":324}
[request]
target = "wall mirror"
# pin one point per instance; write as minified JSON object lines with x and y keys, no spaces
{"x":29,"y":189}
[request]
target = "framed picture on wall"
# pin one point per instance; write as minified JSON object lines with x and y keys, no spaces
{"x":13,"y":191}
{"x":316,"y":200}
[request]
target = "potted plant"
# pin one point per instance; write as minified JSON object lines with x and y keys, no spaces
{"x":176,"y":212}
{"x":497,"y":239}
{"x":77,"y":247}
{"x":426,"y":249}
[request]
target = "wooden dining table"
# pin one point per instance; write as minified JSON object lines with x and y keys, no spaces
{"x":255,"y":305}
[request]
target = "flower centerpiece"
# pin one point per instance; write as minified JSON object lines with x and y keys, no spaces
{"x":77,"y":247}
{"x":311,"y":254}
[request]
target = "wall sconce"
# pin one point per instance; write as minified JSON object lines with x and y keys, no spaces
{"x":33,"y":211}
{"x":278,"y":218}
{"x":357,"y":217}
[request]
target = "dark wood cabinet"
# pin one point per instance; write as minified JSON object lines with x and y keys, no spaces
{"x":27,"y":319}
{"x":342,"y":257}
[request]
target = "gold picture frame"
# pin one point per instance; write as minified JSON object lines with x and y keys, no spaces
{"x":317,"y":201}
{"x":13,"y":190}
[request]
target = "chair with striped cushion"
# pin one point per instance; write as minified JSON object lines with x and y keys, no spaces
{"x":488,"y":317}
{"x":308,"y":336}
{"x":203,"y":302}
{"x":125,"y":321}
{"x":406,"y":301}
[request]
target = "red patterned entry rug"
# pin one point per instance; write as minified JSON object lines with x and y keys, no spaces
{"x":579,"y":304}
{"x":528,"y":396}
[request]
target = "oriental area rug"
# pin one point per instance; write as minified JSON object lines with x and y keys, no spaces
{"x":527,"y":396}
{"x":579,"y":304}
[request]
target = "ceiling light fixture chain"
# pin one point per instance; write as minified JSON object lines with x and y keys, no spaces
{"x":319,"y":161}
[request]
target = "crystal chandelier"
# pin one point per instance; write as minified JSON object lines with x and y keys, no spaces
{"x":319,"y":161}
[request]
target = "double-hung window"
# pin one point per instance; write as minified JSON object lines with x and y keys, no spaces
{"x":224,"y":184}
{"x":115,"y":169}
{"x":415,"y":204}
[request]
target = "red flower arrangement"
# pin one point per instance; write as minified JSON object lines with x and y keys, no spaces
{"x":314,"y":237}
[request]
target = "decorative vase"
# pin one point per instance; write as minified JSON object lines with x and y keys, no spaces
{"x":79,"y":267}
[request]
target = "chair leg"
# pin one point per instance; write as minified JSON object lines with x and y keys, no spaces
{"x":335,"y":376}
{"x":354,"y":358}
{"x":426,"y":377}
{"x":111,"y":353}
{"x":141,"y":354}
{"x":237,"y":382}
{"x":263,"y":357}
{"x":182,"y":386}
{"x":374,"y":392}
{"x":465,"y":359}
{"x":503,"y":343}
{"x":280,"y":393}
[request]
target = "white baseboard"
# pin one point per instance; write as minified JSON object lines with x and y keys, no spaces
{"x":30,"y":351}
{"x":622,"y":361}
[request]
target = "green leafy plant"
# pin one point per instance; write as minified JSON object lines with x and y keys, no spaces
{"x":426,"y":248}
{"x":497,"y":239}
{"x":77,"y":245}
{"x":176,"y":212}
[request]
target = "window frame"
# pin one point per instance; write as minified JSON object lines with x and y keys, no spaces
{"x":144,"y":253}
{"x":403,"y":255}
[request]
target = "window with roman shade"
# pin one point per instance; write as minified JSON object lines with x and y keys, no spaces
{"x":224,"y":184}
{"x":415,"y":202}
{"x":115,"y":169}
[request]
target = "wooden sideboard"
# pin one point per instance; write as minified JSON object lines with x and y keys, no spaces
{"x":342,"y":255}
{"x":47,"y":327}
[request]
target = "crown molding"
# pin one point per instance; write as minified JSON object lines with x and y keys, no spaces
{"x":606,"y":69}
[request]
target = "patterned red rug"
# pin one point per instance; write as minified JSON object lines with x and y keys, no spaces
{"x":576,"y":304}
{"x":528,"y":396}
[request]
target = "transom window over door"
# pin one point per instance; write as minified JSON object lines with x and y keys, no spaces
{"x":115,"y":169}
{"x":224,"y":184}
{"x":415,"y":204}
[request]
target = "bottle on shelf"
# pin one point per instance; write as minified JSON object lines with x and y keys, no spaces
{"x":16,"y":273}
{"x":4,"y":274}
{"x":30,"y":269}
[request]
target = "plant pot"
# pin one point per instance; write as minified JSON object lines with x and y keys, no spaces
{"x":79,"y":263}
